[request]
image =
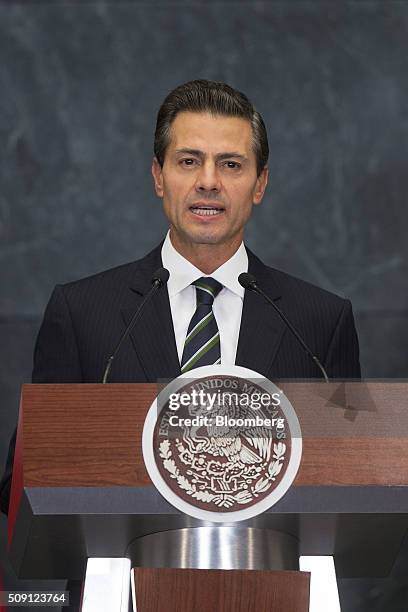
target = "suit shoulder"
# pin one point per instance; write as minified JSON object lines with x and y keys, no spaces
{"x":315,"y":312}
{"x":282,"y":284}
{"x":114,"y":278}
{"x":298,"y":287}
{"x":117,"y":273}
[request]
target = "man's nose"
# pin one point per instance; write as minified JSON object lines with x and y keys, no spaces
{"x":208,"y":178}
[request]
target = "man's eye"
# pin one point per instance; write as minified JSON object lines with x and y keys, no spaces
{"x":233,"y":165}
{"x":187,"y":162}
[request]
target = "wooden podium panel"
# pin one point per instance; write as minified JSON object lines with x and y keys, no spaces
{"x":187,"y":590}
{"x":80,"y":487}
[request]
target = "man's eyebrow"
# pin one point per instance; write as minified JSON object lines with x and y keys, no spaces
{"x":220,"y":156}
{"x":195,"y":152}
{"x":231,"y":154}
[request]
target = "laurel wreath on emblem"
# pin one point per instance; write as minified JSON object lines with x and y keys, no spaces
{"x":241,"y":478}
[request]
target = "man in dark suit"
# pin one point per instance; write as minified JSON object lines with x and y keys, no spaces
{"x":210,"y":169}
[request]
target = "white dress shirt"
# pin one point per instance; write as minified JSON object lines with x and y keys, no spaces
{"x":227,"y":306}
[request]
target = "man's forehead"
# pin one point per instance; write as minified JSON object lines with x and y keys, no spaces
{"x":205,"y":131}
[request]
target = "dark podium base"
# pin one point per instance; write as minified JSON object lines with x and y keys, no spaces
{"x":187,"y":590}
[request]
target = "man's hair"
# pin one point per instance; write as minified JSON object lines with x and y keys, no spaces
{"x":213,"y":97}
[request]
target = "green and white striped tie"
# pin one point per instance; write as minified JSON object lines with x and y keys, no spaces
{"x":202,"y":344}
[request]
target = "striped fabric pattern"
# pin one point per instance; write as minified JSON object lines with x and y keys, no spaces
{"x":202,"y":344}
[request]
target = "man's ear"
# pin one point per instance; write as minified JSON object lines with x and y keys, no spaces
{"x":260,"y":186}
{"x":157,"y":177}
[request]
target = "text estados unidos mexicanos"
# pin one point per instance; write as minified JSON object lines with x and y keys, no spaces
{"x":207,"y":400}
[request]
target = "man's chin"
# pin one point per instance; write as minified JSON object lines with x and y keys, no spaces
{"x":194,"y":236}
{"x":207,"y":238}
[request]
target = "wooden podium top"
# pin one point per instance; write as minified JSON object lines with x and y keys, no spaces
{"x":90,"y":435}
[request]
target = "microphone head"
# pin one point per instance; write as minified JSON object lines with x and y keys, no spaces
{"x":160,"y":277}
{"x":247,"y":280}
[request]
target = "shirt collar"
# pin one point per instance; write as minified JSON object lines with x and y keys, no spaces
{"x":183,"y":272}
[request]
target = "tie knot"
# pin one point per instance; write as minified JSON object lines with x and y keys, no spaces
{"x":207,"y":289}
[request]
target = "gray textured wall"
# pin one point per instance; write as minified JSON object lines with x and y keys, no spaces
{"x":79,"y":88}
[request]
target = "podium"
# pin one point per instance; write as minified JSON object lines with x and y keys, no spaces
{"x":80,"y":489}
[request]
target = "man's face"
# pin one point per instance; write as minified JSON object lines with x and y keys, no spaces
{"x":208,"y":181}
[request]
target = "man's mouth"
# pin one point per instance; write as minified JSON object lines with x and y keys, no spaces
{"x":206,"y":211}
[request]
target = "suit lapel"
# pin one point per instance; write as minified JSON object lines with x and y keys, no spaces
{"x":153,"y":335}
{"x":261,"y":328}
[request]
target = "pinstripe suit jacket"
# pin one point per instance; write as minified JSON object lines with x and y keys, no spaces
{"x":85,"y":319}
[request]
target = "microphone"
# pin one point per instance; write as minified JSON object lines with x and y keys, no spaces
{"x":248,"y":281}
{"x":159,"y":279}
